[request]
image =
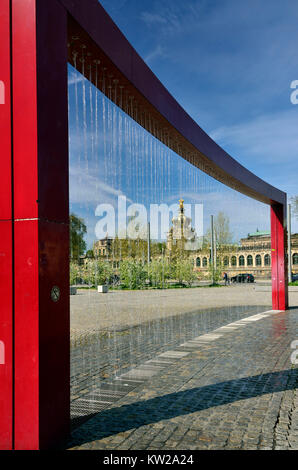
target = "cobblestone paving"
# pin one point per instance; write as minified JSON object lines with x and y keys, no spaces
{"x":103,"y":354}
{"x":234,"y":388}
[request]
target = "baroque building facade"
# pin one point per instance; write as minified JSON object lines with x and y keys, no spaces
{"x":252,"y":255}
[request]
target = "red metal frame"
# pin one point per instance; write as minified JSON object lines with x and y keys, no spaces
{"x":34,"y":381}
{"x":6,"y":248}
{"x":40,"y":160}
{"x":279,"y":268}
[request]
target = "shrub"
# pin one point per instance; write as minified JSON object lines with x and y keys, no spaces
{"x":184,"y":272}
{"x":216,"y":273}
{"x":97,"y":272}
{"x":159,"y":273}
{"x":132,"y":274}
{"x":74,"y":273}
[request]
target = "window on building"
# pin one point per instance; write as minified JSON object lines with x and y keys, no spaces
{"x":267,"y":260}
{"x":295,"y":258}
{"x":258,"y":260}
{"x":204,"y":262}
{"x":241,"y":261}
{"x":234,"y":261}
{"x":226,"y":261}
{"x":249,"y":260}
{"x":198,"y":262}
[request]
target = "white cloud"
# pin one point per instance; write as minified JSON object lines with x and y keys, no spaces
{"x":88,"y":189}
{"x":168,"y":20}
{"x":152,"y":18}
{"x":74,"y":77}
{"x":273,"y":138}
{"x":158,"y":52}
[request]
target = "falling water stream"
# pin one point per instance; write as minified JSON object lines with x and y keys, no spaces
{"x":112,"y":156}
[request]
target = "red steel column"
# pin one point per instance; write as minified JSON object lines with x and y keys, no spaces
{"x":279,"y":274}
{"x":6,"y":310}
{"x":40,"y":127}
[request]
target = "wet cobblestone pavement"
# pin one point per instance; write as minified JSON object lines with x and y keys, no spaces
{"x":233,"y":387}
{"x":101,"y":355}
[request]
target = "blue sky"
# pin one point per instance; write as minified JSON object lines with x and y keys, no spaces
{"x":230,"y":65}
{"x":112,"y":156}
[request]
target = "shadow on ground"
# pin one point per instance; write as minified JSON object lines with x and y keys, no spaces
{"x":137,"y":414}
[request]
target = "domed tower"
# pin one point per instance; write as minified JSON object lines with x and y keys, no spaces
{"x":181,"y":234}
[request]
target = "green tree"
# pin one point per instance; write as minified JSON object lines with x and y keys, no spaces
{"x":97,"y":272}
{"x":122,"y":248}
{"x":74,"y":273}
{"x":184,"y":272}
{"x":223,"y":235}
{"x":156,"y":248}
{"x":132,"y":274}
{"x":78,"y":230}
{"x":216,"y":272}
{"x":159,"y":273}
{"x":90,"y":254}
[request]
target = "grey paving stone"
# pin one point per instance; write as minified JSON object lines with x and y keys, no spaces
{"x":244,"y":398}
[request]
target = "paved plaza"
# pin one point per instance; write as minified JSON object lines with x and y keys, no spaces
{"x":112,"y":333}
{"x":229,"y":385}
{"x":90,"y":310}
